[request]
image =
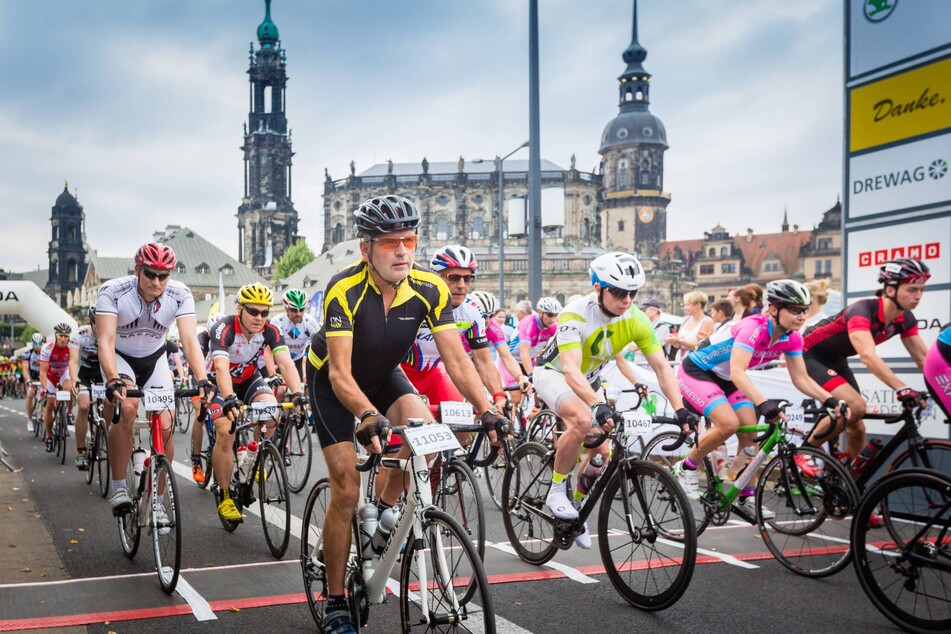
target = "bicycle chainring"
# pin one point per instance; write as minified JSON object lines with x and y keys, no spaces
{"x":565,"y":531}
{"x":836,"y":500}
{"x":714,"y":503}
{"x":357,"y":591}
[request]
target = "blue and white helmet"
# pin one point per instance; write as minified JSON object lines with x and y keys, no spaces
{"x":37,"y":339}
{"x":620,"y":270}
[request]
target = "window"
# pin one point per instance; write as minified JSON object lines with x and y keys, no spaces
{"x":441,"y":228}
{"x":442,"y":199}
{"x":771,"y":267}
{"x":823,"y":267}
{"x":728,"y":267}
{"x":620,"y":225}
{"x":706,"y":269}
{"x":586,"y":229}
{"x":712,"y":252}
{"x":824,"y":244}
{"x":622,"y":175}
{"x":203,"y":269}
{"x":477,"y":228}
{"x":338,"y":233}
{"x":227,"y":269}
{"x":477,"y":199}
{"x":180,"y":267}
{"x":645,"y":178}
{"x":724,"y":251}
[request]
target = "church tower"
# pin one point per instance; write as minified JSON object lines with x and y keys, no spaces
{"x":267,"y":221}
{"x":67,"y":249}
{"x":634,"y":205}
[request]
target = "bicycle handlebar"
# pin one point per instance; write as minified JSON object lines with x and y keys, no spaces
{"x":772,"y":424}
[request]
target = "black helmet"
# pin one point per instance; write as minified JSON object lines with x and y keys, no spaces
{"x":62,"y":329}
{"x":903,"y":271}
{"x":385,"y":214}
{"x":787,"y":293}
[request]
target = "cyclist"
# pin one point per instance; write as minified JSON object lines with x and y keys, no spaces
{"x":372,"y":312}
{"x":486,"y":303}
{"x":938,"y":371}
{"x":235,"y":344}
{"x":88,"y":372}
{"x":591,"y":331}
{"x":133,"y":315}
{"x":856,"y":330}
{"x":56,"y":370}
{"x":30,"y":363}
{"x":534,"y":331}
{"x":297,"y":326}
{"x":715,"y":381}
{"x":173,"y":349}
{"x":198,"y":427}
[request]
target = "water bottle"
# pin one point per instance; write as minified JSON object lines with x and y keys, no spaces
{"x":718,"y":460}
{"x":590,"y":473}
{"x":242,"y":464}
{"x":861,"y":461}
{"x":387,"y":522}
{"x":251,"y":457}
{"x":368,"y":525}
{"x":138,"y":461}
{"x":742,"y":459}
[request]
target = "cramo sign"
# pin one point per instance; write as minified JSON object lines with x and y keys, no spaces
{"x":898,"y":178}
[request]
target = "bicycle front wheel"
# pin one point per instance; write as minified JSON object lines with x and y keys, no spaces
{"x":274,"y":498}
{"x":528,"y":522}
{"x":494,"y":473}
{"x":311,"y":550}
{"x":451,"y":569}
{"x":654,"y":453}
{"x":102,"y":458}
{"x":810,"y":511}
{"x":297,"y":447}
{"x":183,"y":414}
{"x":129,"y":531}
{"x":905,"y":566}
{"x":641,"y":505}
{"x":456,"y":494}
{"x":166,"y":525}
{"x":59,"y":435}
{"x":92,"y":450}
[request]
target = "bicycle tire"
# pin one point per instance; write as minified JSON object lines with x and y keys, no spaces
{"x":456,"y":493}
{"x":443,"y":535}
{"x":654,"y":505}
{"x":312,"y":569}
{"x":92,"y":449}
{"x":37,"y":420}
{"x":60,"y":434}
{"x":528,"y":522}
{"x":102,"y":460}
{"x":494,"y":474}
{"x":297,"y":450}
{"x":702,"y":514}
{"x":826,"y":501}
{"x":183,"y":414}
{"x":129,"y":530}
{"x":886,"y":568}
{"x":274,"y":499}
{"x":937,"y":456}
{"x":166,"y":535}
{"x":542,"y":427}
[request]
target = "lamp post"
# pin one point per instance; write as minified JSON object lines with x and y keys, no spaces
{"x":498,"y":166}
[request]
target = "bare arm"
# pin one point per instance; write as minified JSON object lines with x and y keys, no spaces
{"x":571,"y":366}
{"x":917,"y":349}
{"x":44,"y":368}
{"x":188,"y":333}
{"x":739,"y":365}
{"x":525,"y":355}
{"x":288,"y":370}
{"x":864,"y":344}
{"x":803,"y":382}
{"x":223,"y":376}
{"x":74,"y":368}
{"x":489,"y":373}
{"x":460,"y":367}
{"x":509,"y":362}
{"x":106,"y":338}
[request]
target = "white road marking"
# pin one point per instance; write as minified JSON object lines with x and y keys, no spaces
{"x":200,"y":607}
{"x":568,"y":571}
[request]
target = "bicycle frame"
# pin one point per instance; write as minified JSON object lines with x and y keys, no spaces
{"x":907,"y":434}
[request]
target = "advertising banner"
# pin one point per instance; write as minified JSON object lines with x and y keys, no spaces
{"x":886,"y":32}
{"x":869,"y":247}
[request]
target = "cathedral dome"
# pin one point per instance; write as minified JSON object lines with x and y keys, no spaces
{"x":633,"y":127}
{"x":65,"y":199}
{"x":267,"y":30}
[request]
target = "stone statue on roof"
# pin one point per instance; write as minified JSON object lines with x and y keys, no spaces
{"x":425,"y":166}
{"x":389,"y":166}
{"x":462,"y":165}
{"x":353,"y":168}
{"x":327,"y":175}
{"x":572,"y":161}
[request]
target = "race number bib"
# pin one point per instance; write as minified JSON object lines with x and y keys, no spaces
{"x":431,"y":438}
{"x":157,"y":399}
{"x":264,"y":409}
{"x":98,"y":392}
{"x":456,"y":413}
{"x":63,"y":395}
{"x":638,"y":423}
{"x":795,"y":417}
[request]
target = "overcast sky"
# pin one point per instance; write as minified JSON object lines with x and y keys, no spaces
{"x":141,"y":104}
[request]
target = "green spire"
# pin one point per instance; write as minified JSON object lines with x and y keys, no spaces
{"x":267,"y":31}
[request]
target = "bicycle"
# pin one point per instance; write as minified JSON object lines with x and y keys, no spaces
{"x":494,"y":471}
{"x":151,"y":483}
{"x":97,"y":440}
{"x":61,"y":424}
{"x":423,"y":536}
{"x":208,"y":445}
{"x":293,"y":439}
{"x":799,"y":503}
{"x":641,"y":505}
{"x":183,"y":410}
{"x":904,"y":562}
{"x":267,"y":472}
{"x":39,"y":402}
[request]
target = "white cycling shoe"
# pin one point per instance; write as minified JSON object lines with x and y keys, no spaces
{"x":559,"y":504}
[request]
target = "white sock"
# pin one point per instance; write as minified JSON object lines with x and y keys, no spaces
{"x":116,"y":485}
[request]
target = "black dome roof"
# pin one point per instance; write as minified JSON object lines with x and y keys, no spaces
{"x":633,"y":127}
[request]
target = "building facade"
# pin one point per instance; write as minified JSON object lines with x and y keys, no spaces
{"x":267,"y":220}
{"x":67,"y":248}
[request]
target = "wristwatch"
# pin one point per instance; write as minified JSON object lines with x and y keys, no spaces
{"x":369,"y":412}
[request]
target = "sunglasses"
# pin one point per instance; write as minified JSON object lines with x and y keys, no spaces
{"x":293,"y":310}
{"x":455,"y":277}
{"x":797,"y":310}
{"x":620,"y":293}
{"x":257,"y":312}
{"x":393,"y":243}
{"x":152,"y":275}
{"x":550,"y":315}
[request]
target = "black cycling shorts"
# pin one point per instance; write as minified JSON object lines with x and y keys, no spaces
{"x":34,"y":375}
{"x":334,"y":422}
{"x":88,"y":376}
{"x":245,"y":391}
{"x":830,"y":373}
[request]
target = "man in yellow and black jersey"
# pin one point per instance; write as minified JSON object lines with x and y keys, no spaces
{"x":372,"y":311}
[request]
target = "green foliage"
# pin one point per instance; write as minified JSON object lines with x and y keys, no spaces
{"x":26,"y":334}
{"x":293,"y":260}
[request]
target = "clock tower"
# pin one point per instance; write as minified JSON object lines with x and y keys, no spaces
{"x":634,"y":205}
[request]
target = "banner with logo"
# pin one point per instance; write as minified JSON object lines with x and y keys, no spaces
{"x":883,"y":33}
{"x":870,"y":247}
{"x":316,"y":306}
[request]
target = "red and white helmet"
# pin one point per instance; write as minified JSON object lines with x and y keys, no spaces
{"x":155,"y":255}
{"x":454,"y":256}
{"x":903,"y":271}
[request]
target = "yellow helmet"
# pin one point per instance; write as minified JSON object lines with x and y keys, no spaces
{"x":256,"y":293}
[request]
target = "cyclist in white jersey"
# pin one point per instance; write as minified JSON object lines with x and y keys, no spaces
{"x":297,"y":327}
{"x":89,"y":372}
{"x":133,"y":315}
{"x":30,"y":362}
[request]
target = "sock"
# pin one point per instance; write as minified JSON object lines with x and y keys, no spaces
{"x":558,"y":478}
{"x":336,"y":602}
{"x":196,"y":460}
{"x":225,"y":494}
{"x":747,"y":492}
{"x":116,"y":485}
{"x":579,"y":497}
{"x":382,"y":506}
{"x":689,"y":465}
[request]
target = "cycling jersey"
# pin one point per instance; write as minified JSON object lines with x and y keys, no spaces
{"x":32,"y":357}
{"x":58,"y":360}
{"x":531,"y":331}
{"x":937,"y":370}
{"x":829,"y":338}
{"x":88,"y":346}
{"x":423,"y":355}
{"x":753,"y":334}
{"x":583,"y":326}
{"x":496,"y":338}
{"x":297,"y":336}
{"x":230,"y":342}
{"x":141,"y":327}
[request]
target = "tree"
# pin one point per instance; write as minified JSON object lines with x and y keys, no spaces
{"x":26,"y":334}
{"x":293,"y":260}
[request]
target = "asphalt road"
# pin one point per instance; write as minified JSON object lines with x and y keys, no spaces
{"x":235,"y":571}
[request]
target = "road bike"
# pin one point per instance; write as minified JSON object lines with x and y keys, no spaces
{"x":97,"y":440}
{"x":184,"y":409}
{"x":61,"y":422}
{"x":293,"y":439}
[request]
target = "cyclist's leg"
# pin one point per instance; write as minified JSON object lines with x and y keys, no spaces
{"x":707,"y":393}
{"x":29,"y":399}
{"x":399,"y":402}
{"x":82,"y":422}
{"x":222,"y":458}
{"x":836,"y":378}
{"x":120,"y":435}
{"x":48,"y":409}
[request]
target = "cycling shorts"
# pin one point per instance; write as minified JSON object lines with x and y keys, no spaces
{"x":938,"y":375}
{"x":552,"y":387}
{"x":434,"y":384}
{"x":34,"y":375}
{"x":829,"y":373}
{"x":334,"y":422}
{"x":150,"y":372}
{"x":88,"y":376}
{"x":246,"y":391}
{"x":706,"y":391}
{"x":53,"y":382}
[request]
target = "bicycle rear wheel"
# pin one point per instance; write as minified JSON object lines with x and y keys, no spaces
{"x":528,"y":522}
{"x":274,"y":499}
{"x":183,"y":414}
{"x":456,"y":494}
{"x":813,"y":511}
{"x":311,"y":549}
{"x":905,"y":566}
{"x":641,"y":504}
{"x":494,"y":473}
{"x":165,"y":522}
{"x":937,"y":456}
{"x":453,"y":568}
{"x":654,"y":453}
{"x":542,"y":428}
{"x":92,"y":450}
{"x":129,"y":531}
{"x":102,"y":458}
{"x":297,"y":448}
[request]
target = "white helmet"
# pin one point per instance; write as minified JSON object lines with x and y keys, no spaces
{"x":621,"y":270}
{"x":484,"y":300}
{"x":452,"y":257}
{"x":548,"y":305}
{"x":214,"y":318}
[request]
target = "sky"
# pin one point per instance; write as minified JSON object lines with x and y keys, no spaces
{"x":140,"y":105}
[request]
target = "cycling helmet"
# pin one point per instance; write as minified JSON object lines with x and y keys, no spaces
{"x":173,"y":338}
{"x":385,"y":214}
{"x":621,"y":270}
{"x":214,"y":318}
{"x":903,"y":271}
{"x":548,"y":305}
{"x":295,"y":298}
{"x":92,"y":312}
{"x":453,"y":257}
{"x":787,"y":293}
{"x":256,"y":293}
{"x":484,"y":300}
{"x":155,"y":256}
{"x":62,"y":328}
{"x":37,"y":339}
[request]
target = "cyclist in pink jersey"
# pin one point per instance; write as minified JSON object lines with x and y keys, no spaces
{"x":714,"y":379}
{"x":55,"y":358}
{"x":535,"y":330}
{"x":938,"y":371}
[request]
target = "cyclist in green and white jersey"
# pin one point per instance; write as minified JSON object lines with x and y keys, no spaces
{"x":591,"y":331}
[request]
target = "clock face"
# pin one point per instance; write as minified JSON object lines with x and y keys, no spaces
{"x":646,"y":214}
